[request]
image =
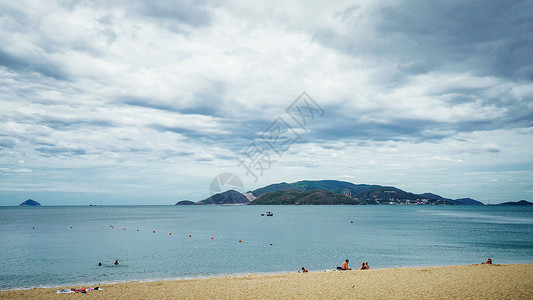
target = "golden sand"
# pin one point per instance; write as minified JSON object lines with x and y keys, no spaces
{"x":451,"y":282}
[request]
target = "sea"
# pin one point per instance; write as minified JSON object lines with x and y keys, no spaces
{"x":62,"y":245}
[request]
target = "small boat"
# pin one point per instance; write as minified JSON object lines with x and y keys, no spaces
{"x":269,"y":214}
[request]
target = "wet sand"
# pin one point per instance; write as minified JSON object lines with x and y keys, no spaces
{"x":450,"y":282}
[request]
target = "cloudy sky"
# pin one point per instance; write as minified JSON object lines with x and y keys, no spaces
{"x":131,"y":102}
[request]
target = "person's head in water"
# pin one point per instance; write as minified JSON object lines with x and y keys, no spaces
{"x":116,"y":262}
{"x":100,"y":263}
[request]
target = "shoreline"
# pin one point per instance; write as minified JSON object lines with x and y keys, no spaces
{"x":213,"y":276}
{"x":463,"y":281}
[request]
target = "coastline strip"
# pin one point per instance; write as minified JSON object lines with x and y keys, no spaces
{"x":510,"y":281}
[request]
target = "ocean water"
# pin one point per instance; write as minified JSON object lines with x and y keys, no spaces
{"x":56,"y":246}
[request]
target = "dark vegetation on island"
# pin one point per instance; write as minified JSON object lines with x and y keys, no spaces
{"x":517,"y":203}
{"x":186,"y":202}
{"x":333,"y":186}
{"x":362,"y":193}
{"x":297,"y":197}
{"x":30,"y":202}
{"x":332,"y":192}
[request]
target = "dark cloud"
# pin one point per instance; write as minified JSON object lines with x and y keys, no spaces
{"x":70,"y":5}
{"x":20,"y":64}
{"x":195,"y":109}
{"x":484,"y":37}
{"x":60,"y":151}
{"x":147,"y":103}
{"x":175,"y":16}
{"x":489,"y":36}
{"x":189,"y":132}
{"x":193,"y":13}
{"x":7,"y":142}
{"x":235,"y":141}
{"x":63,"y":124}
{"x":208,"y":101}
{"x":171,"y":14}
{"x":338,"y":126}
{"x":343,"y":128}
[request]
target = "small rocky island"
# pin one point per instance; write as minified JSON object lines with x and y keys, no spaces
{"x":186,"y":202}
{"x":30,"y":202}
{"x":230,"y":197}
{"x":517,"y":203}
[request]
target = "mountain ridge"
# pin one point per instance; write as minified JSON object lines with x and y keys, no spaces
{"x":366,"y":193}
{"x":327,"y":191}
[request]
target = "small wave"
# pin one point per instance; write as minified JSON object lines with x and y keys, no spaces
{"x":483,"y":218}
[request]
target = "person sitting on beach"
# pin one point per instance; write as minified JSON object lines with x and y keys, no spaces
{"x":304,"y":270}
{"x":364,"y":266}
{"x":488,"y":262}
{"x":116,"y":262}
{"x":344,"y":266}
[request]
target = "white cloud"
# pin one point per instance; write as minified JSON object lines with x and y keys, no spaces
{"x":163,"y":97}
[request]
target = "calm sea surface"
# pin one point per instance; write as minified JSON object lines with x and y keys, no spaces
{"x":68,"y":242}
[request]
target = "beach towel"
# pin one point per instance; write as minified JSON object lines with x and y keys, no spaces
{"x":79,"y":290}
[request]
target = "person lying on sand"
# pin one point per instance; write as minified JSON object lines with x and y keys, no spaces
{"x":304,"y":270}
{"x":488,"y":262}
{"x":344,"y":266}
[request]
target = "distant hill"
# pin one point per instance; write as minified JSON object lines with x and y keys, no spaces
{"x":334,"y":186}
{"x":469,"y":201}
{"x":517,"y":203}
{"x":297,"y":197}
{"x":227,"y":197}
{"x":392,"y":195}
{"x":272,"y":188}
{"x":30,"y":202}
{"x":462,"y":201}
{"x":185,"y":202}
{"x":433,"y":196}
{"x":364,"y":193}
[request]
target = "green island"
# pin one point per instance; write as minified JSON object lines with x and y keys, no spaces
{"x":332,"y":192}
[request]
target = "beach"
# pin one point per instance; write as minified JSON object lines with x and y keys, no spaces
{"x":509,"y":281}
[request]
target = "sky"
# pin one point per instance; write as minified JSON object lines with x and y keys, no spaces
{"x":152,"y":102}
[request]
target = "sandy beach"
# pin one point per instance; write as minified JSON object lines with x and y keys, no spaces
{"x":449,"y":282}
